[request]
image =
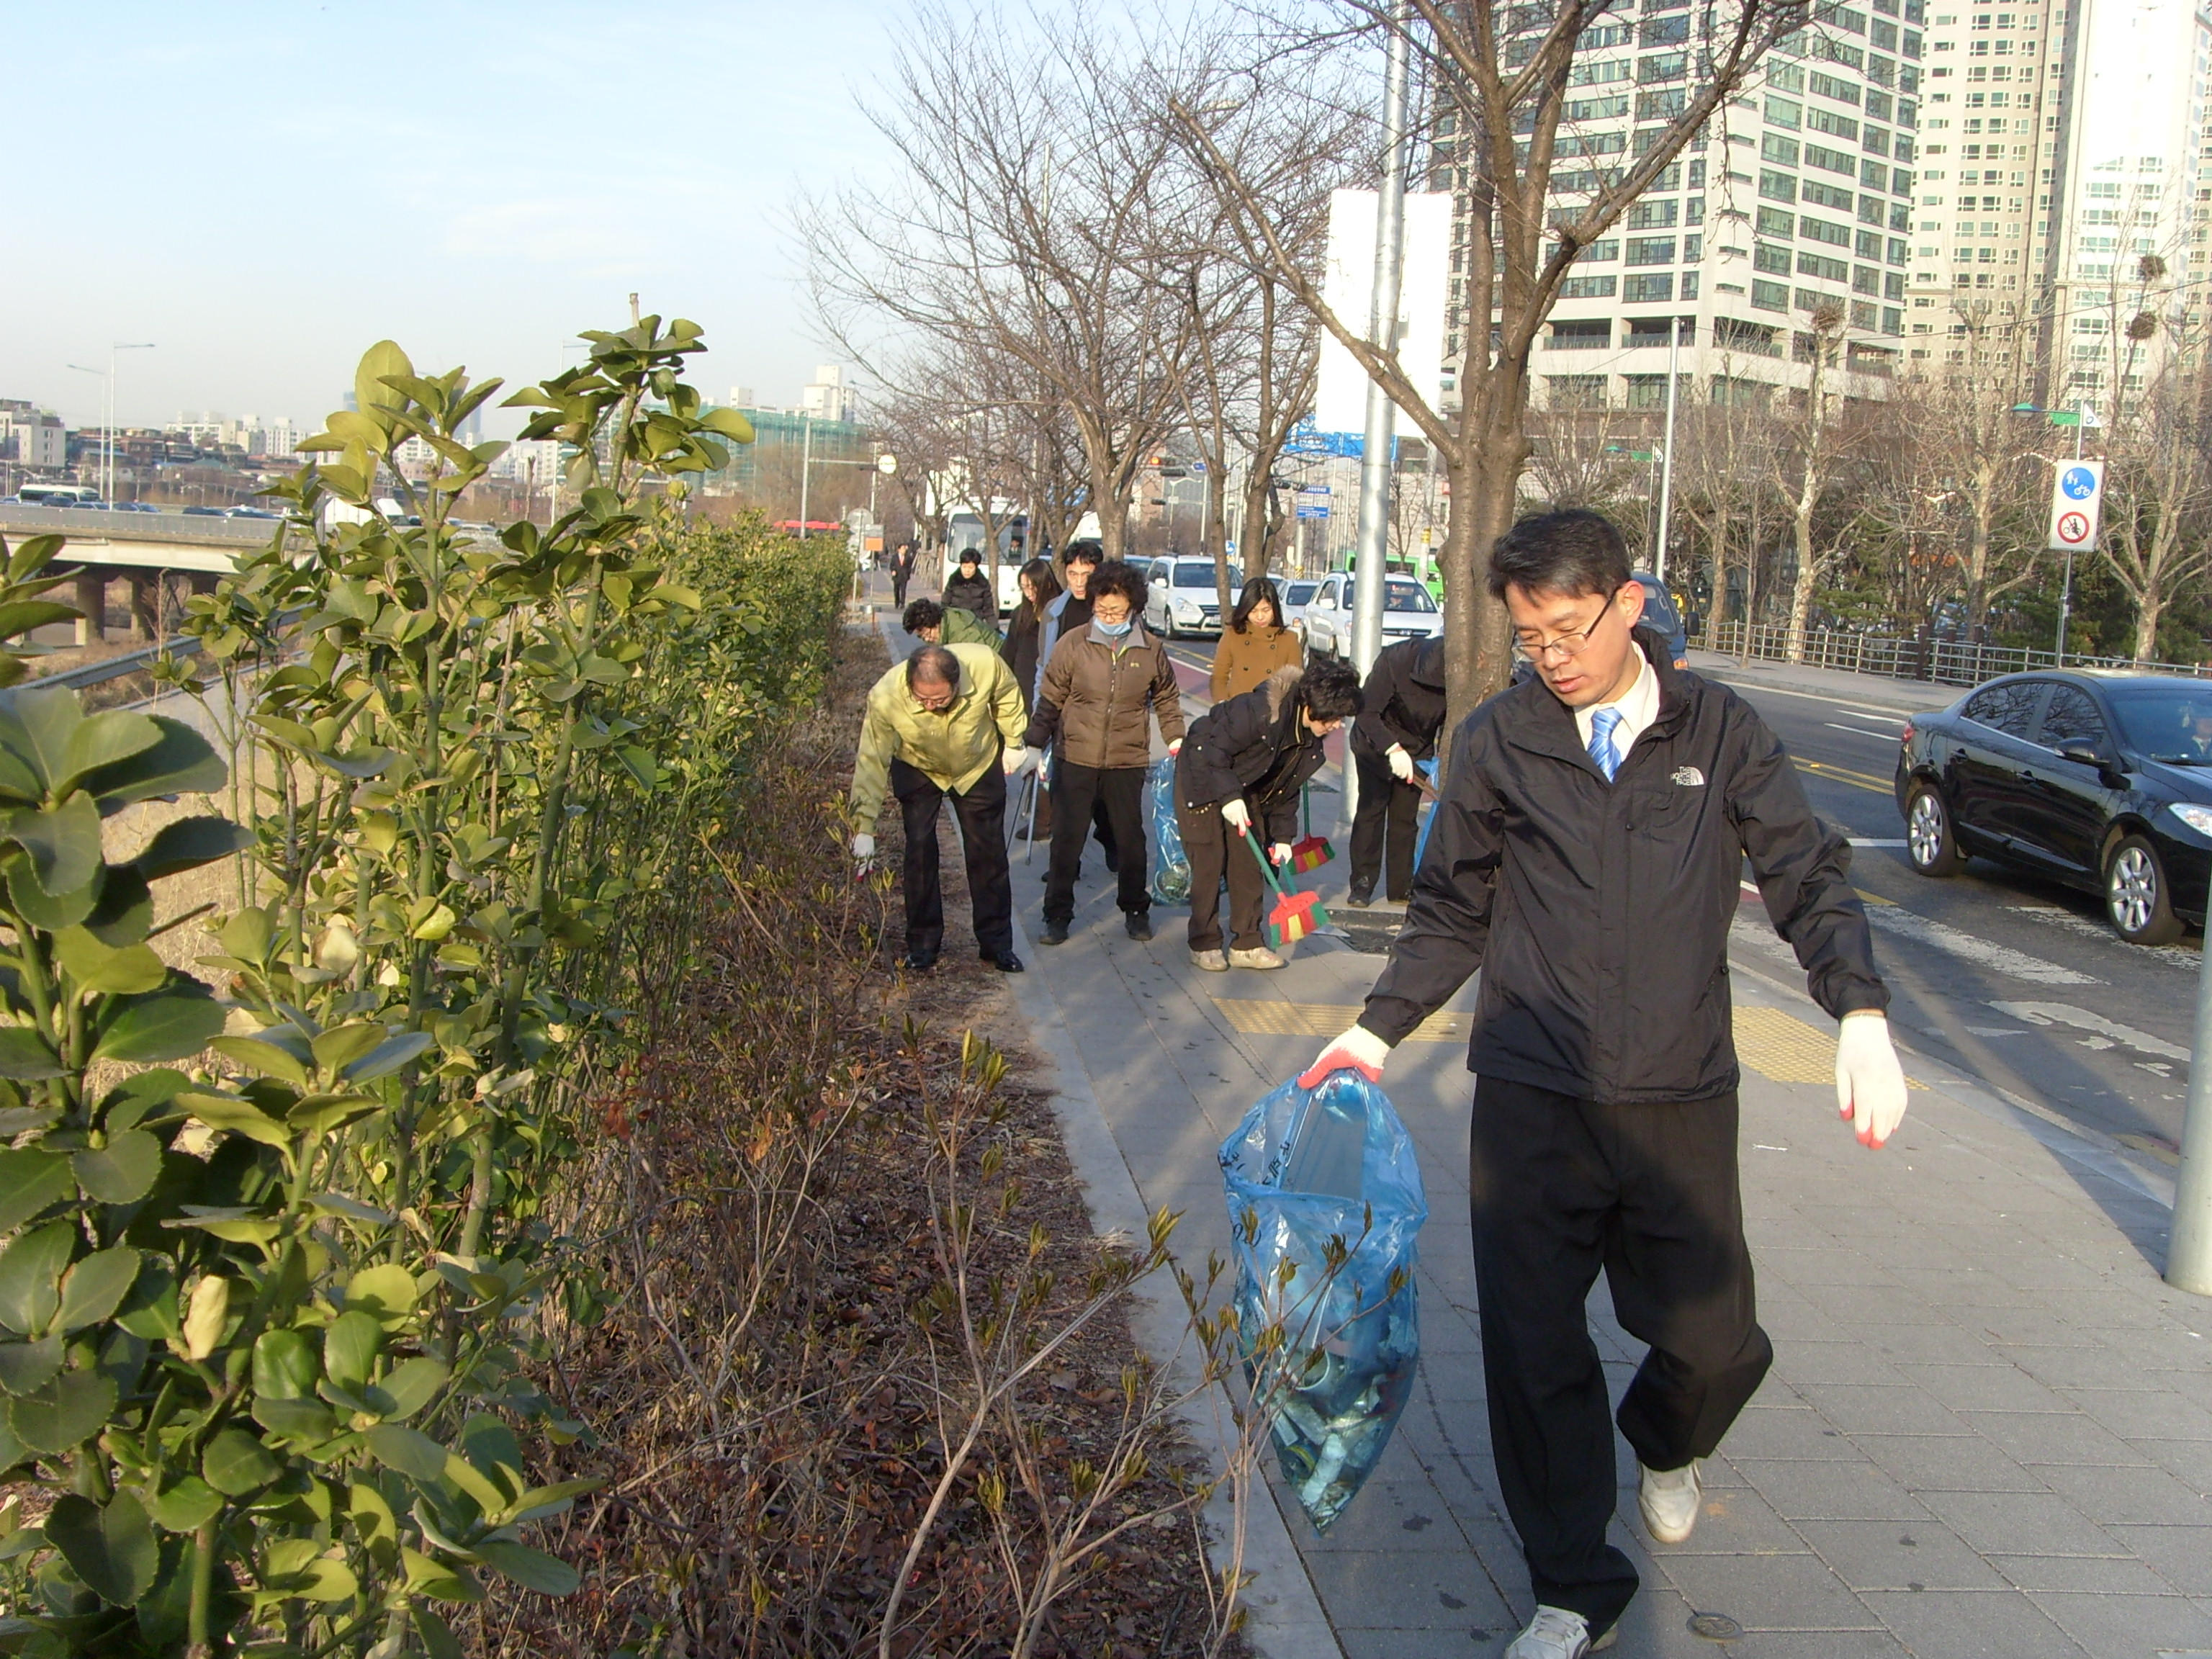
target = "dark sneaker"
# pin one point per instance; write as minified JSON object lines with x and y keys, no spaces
{"x":1139,"y":925}
{"x":1056,"y":933}
{"x":1004,"y":961}
{"x":1358,"y":900}
{"x":919,"y":962}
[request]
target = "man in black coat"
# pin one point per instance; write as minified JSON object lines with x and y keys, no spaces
{"x":1586,"y":856}
{"x":1243,"y":764}
{"x":1402,"y":713}
{"x":902,"y":573}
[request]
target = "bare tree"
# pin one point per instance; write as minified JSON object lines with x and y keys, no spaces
{"x":1024,"y":224}
{"x":1499,"y":76}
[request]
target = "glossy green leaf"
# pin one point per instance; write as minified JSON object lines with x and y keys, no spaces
{"x":412,"y":1385}
{"x":31,"y":1179}
{"x":113,"y":1549}
{"x":35,"y":725}
{"x":172,"y":1023}
{"x":38,"y":907}
{"x":413,"y":1454}
{"x":385,"y":1292}
{"x":103,"y":969}
{"x":182,"y":763}
{"x":340,"y":1047}
{"x":148,"y":1309}
{"x":437,"y":1636}
{"x":284,"y":1365}
{"x":236,"y":1463}
{"x":30,"y":1270}
{"x":139,"y":1095}
{"x":388,"y":1056}
{"x":66,"y":1413}
{"x":436,"y":1579}
{"x":532,"y":1569}
{"x":95,"y":1287}
{"x":263,"y":1059}
{"x":123,"y":912}
{"x":307,"y":1420}
{"x":27,"y":1367}
{"x":26,"y":1056}
{"x":105,"y":740}
{"x":298,"y":1567}
{"x":187,"y":1506}
{"x":187,"y":843}
{"x":123,"y":1171}
{"x":351,"y":1346}
{"x":63,"y":843}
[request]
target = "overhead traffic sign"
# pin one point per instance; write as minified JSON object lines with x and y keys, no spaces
{"x":2077,"y":496}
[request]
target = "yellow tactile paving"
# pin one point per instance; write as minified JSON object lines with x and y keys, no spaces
{"x":1776,"y":1045}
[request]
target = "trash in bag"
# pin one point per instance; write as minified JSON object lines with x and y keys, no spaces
{"x":1170,"y":864}
{"x":1325,"y":1202}
{"x":1427,"y":808}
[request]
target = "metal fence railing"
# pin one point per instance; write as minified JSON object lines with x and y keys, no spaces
{"x":1940,"y":662}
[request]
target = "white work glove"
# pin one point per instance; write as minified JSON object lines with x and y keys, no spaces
{"x":1358,"y":1050}
{"x":1236,"y":814}
{"x":1869,"y":1083}
{"x":1280,"y":853}
{"x":1174,"y":749}
{"x":1019,"y":760}
{"x":1401,"y":763}
{"x":864,"y":850}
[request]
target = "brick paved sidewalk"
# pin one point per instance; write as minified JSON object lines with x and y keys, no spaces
{"x":1988,"y":1427}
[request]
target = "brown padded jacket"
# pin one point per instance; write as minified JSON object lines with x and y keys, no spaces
{"x":1243,"y":661}
{"x":1098,"y":702}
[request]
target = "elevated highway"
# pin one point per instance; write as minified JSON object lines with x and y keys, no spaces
{"x":148,"y":550}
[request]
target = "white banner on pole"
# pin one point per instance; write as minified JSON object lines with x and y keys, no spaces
{"x":1348,"y":285}
{"x":2077,"y":499}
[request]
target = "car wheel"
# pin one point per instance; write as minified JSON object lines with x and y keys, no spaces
{"x":1928,"y":838}
{"x":2136,"y":897}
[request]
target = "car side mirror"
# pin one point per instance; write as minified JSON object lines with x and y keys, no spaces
{"x":2082,"y":752}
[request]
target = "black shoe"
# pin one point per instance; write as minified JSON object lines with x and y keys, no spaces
{"x":1056,"y":933}
{"x":1139,"y":925}
{"x":1004,"y":961}
{"x":1358,"y":900}
{"x":919,"y":962}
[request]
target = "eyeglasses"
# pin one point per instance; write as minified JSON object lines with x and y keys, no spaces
{"x":1568,"y":645}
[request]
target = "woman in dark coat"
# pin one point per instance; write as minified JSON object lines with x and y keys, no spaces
{"x":970,"y":589}
{"x":1024,"y":634}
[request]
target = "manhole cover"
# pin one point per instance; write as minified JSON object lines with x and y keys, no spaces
{"x":1715,"y":1628}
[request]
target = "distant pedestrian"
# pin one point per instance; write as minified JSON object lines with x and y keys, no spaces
{"x":933,"y":624}
{"x":903,"y":562}
{"x":1070,"y":613}
{"x":1397,"y":728}
{"x":1102,"y":692}
{"x":1024,"y":632}
{"x":970,"y":590}
{"x":1240,"y":771}
{"x":1256,"y":641}
{"x":1586,"y":857}
{"x":947,"y":722}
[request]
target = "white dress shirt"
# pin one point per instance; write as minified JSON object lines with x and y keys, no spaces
{"x":1638,"y":707}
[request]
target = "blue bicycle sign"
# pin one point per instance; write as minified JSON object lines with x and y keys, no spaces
{"x":2078,"y":483}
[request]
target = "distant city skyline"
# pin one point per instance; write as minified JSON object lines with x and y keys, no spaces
{"x":257,"y":190}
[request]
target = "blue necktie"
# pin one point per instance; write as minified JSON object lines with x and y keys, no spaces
{"x":1601,"y":749}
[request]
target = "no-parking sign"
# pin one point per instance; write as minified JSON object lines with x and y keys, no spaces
{"x":2076,"y":496}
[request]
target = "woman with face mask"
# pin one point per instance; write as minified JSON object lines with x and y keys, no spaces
{"x":1103,"y":688}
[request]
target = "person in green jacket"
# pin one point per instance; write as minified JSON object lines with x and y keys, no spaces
{"x":947,"y":722}
{"x":944,"y":624}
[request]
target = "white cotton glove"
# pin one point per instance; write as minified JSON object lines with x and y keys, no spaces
{"x":863,"y":851}
{"x":1869,"y":1083}
{"x":1280,"y":853}
{"x":1236,"y":814}
{"x":1358,"y":1050}
{"x":1019,"y":760}
{"x":1401,"y":763}
{"x":1174,"y":749}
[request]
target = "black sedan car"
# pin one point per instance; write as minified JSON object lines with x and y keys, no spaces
{"x":2103,"y":781}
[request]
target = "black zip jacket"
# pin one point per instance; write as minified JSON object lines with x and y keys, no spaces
{"x":973,"y":594}
{"x":1255,"y":746}
{"x":1404,"y":700}
{"x":1599,"y":912}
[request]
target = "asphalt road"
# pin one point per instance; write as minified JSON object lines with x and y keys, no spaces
{"x":2014,"y":978}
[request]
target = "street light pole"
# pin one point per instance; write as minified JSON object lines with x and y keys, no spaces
{"x":805,"y":468}
{"x":1374,"y":543}
{"x":2188,"y":1244}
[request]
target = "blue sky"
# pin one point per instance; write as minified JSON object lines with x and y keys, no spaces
{"x":263,"y":189}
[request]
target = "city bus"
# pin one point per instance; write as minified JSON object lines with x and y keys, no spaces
{"x":56,"y":495}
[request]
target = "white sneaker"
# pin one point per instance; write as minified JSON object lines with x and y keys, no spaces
{"x":1669,"y":1501}
{"x":1555,"y":1633}
{"x":1258,"y":957}
{"x":1212,"y":962}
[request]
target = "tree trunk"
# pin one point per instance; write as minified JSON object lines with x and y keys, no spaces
{"x":1808,"y":500}
{"x":2149,"y":608}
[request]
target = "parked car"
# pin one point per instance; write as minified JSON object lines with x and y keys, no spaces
{"x":1181,"y":599}
{"x":2102,"y":781}
{"x":205,"y":512}
{"x":136,"y":507}
{"x":251,"y":513}
{"x":1297,"y":594}
{"x":1408,"y":613}
{"x":1660,"y":616}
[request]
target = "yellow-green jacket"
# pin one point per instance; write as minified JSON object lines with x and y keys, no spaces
{"x":950,"y":750}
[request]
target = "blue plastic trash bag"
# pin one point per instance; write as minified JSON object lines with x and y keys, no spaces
{"x":1427,"y":769}
{"x":1170,"y":864}
{"x":1307,"y":1167}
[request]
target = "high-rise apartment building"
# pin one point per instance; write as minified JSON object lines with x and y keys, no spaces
{"x":1795,"y":203}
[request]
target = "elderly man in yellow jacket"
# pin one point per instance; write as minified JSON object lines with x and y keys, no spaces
{"x":947,"y":722}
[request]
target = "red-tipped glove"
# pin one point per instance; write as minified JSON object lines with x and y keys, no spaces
{"x":1869,"y":1083}
{"x":1358,"y":1050}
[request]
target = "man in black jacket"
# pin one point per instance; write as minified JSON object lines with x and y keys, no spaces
{"x":1242,"y":763}
{"x":1402,"y":713}
{"x":1586,"y":856}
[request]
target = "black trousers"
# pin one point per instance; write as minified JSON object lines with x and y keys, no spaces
{"x":1118,"y":794}
{"x":1215,"y":850}
{"x":1560,"y":1187}
{"x":982,"y":814}
{"x":899,"y":579}
{"x":1386,"y":825}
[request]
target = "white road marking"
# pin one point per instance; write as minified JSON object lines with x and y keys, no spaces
{"x":1999,"y":959}
{"x":1873,"y":841}
{"x":1996,"y":1030}
{"x":2051,"y":916}
{"x":1861,"y":732}
{"x":1809,"y":697}
{"x":2065,"y":1013}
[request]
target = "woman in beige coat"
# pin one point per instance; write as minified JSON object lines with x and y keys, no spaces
{"x":1255,"y":644}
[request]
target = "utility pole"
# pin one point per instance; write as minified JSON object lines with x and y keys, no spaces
{"x":2189,"y":1245}
{"x":1667,"y":456}
{"x":806,"y":467}
{"x":1373,"y":547}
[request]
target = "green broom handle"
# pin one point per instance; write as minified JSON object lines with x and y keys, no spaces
{"x":1266,"y":869}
